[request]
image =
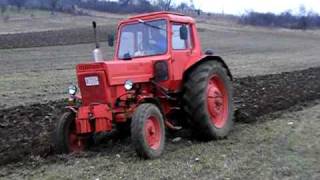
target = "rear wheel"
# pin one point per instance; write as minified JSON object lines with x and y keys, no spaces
{"x":66,"y":138}
{"x":208,"y":100}
{"x":147,"y":131}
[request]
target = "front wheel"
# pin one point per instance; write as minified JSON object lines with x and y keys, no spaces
{"x":148,"y":131}
{"x":66,"y":139}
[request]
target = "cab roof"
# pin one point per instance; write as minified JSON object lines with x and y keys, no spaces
{"x":172,"y":16}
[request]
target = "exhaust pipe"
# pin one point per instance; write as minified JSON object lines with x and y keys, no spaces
{"x":97,"y":54}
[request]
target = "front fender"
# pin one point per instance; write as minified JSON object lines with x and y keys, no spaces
{"x":71,"y":108}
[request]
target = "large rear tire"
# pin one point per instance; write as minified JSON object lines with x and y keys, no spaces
{"x":207,"y":100}
{"x":148,"y":131}
{"x":66,"y":139}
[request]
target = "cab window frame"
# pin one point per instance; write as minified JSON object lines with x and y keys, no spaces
{"x":189,"y":41}
{"x":120,"y":32}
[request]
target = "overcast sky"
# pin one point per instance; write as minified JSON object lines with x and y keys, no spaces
{"x":237,"y":7}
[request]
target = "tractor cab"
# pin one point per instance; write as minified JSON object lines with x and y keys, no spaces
{"x":153,"y":34}
{"x":164,"y":38}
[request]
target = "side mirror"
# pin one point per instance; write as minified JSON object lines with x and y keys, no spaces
{"x":161,"y":72}
{"x":209,"y":52}
{"x":183,"y":32}
{"x":110,"y":40}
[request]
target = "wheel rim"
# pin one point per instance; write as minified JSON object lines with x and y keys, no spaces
{"x":217,"y":100}
{"x":75,"y":143}
{"x":153,"y":132}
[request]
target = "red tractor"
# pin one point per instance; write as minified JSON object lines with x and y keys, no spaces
{"x":159,"y":78}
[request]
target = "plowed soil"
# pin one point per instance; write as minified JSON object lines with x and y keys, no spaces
{"x":53,"y":37}
{"x":25,"y":131}
{"x":282,"y":145}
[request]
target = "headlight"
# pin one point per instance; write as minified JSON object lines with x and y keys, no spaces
{"x":72,"y":90}
{"x":128,"y":85}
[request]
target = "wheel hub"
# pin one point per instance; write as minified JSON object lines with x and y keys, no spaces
{"x":153,"y":133}
{"x":217,"y":101}
{"x":76,"y":143}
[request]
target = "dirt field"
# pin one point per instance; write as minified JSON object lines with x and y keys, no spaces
{"x":280,"y":142}
{"x":26,"y":130}
{"x":285,"y":147}
{"x":24,"y":22}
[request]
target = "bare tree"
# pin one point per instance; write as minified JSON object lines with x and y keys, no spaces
{"x":3,"y":6}
{"x":53,"y":5}
{"x":183,"y":6}
{"x":198,"y":12}
{"x":165,"y":5}
{"x":124,"y":2}
{"x":302,"y":24}
{"x":192,"y":6}
{"x":18,"y":3}
{"x":302,"y":10}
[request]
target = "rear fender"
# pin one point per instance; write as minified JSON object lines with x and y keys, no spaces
{"x":206,"y":58}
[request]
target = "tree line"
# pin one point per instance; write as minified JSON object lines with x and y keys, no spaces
{"x":120,"y":6}
{"x":303,"y":20}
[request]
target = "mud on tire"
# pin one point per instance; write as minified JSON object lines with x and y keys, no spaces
{"x":209,"y":120}
{"x":148,"y":131}
{"x":65,"y":138}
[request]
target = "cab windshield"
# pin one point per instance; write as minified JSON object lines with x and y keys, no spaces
{"x":145,"y":38}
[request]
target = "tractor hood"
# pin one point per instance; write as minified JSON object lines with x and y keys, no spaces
{"x":102,"y":82}
{"x":117,"y":72}
{"x":136,"y":71}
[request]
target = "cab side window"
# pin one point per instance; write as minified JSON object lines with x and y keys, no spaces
{"x":177,"y":42}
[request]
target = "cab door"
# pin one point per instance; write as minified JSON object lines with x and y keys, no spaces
{"x":181,"y":51}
